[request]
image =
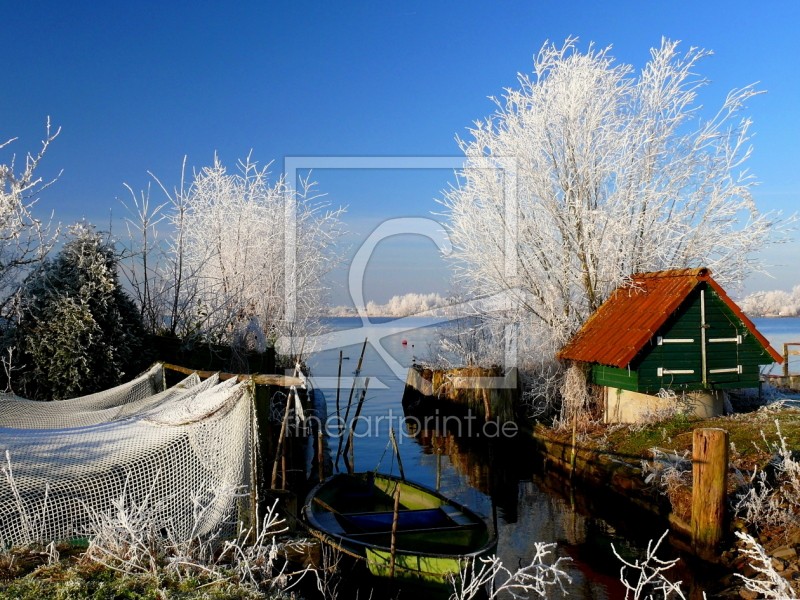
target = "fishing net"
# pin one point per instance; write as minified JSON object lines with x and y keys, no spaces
{"x":184,"y":453}
{"x":101,"y":407}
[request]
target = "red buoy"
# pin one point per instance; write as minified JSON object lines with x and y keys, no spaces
{"x":405,"y":342}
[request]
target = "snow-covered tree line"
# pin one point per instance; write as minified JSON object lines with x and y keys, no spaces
{"x":599,"y":173}
{"x":404,"y":305}
{"x":210,"y":263}
{"x":775,"y":303}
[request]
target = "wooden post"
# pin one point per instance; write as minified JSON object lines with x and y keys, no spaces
{"x":350,"y":445}
{"x":283,"y":466}
{"x":320,"y":456}
{"x":574,"y":442}
{"x":339,"y":384}
{"x":438,"y":468}
{"x":255,"y":471}
{"x":352,"y":462}
{"x":263,"y":394}
{"x":394,"y":530}
{"x":397,"y":452}
{"x":710,"y":474}
{"x":282,"y":435}
{"x":350,"y":400}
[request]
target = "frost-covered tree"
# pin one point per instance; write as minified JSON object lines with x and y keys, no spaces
{"x":25,"y":240}
{"x":221,"y":274}
{"x":615,"y":173}
{"x":398,"y":306}
{"x":773,"y":303}
{"x":78,"y":331}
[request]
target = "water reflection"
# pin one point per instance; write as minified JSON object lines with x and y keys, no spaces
{"x":504,"y":479}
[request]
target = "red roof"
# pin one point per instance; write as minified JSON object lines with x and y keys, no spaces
{"x":636,"y":310}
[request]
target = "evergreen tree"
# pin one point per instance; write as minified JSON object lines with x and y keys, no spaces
{"x":79,"y":332}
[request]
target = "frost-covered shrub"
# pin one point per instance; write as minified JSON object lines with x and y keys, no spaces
{"x":772,"y":501}
{"x":78,"y":331}
{"x":670,"y":474}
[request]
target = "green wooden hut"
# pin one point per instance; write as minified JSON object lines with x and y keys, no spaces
{"x":669,"y":330}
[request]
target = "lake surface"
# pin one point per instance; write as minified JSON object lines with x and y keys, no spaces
{"x":501,"y":478}
{"x":779,"y":332}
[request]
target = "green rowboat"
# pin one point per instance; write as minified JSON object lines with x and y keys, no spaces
{"x":435,"y":535}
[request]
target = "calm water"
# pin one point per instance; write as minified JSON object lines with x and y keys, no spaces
{"x":501,"y":480}
{"x":780,"y":332}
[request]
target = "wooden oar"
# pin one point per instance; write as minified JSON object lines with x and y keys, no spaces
{"x":329,"y":508}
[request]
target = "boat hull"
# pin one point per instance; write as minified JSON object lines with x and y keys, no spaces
{"x":436,"y":537}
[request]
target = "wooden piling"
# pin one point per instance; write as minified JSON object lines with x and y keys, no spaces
{"x":281,"y":437}
{"x":283,"y":466}
{"x":397,"y":452}
{"x":786,"y":354}
{"x":320,"y":456}
{"x":786,"y":360}
{"x":350,"y":401}
{"x":395,"y":516}
{"x":350,"y":446}
{"x":438,"y":469}
{"x":710,"y":475}
{"x":339,"y":383}
{"x":574,"y":443}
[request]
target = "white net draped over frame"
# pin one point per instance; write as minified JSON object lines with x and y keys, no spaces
{"x":176,"y":449}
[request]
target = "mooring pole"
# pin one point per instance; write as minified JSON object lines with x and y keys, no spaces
{"x":709,"y":492}
{"x":283,"y":466}
{"x":350,"y":400}
{"x":320,"y":456}
{"x":350,"y":445}
{"x":438,"y":469}
{"x":786,"y":362}
{"x":339,"y":383}
{"x":397,"y":452}
{"x":280,"y":441}
{"x":395,"y":516}
{"x":573,"y":458}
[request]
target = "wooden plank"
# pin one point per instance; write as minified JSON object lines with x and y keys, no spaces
{"x":710,"y":487}
{"x":279,"y":380}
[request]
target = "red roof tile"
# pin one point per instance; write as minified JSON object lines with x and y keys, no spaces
{"x":636,"y":310}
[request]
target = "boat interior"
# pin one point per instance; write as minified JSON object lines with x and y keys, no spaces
{"x":363,"y":510}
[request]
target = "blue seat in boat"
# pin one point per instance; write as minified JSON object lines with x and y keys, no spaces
{"x":329,"y":523}
{"x":411,"y":519}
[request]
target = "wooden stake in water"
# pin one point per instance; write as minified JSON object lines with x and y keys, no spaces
{"x":350,"y":445}
{"x":438,"y":468}
{"x":320,"y":456}
{"x":397,"y":452}
{"x":574,"y":443}
{"x":339,"y":383}
{"x":395,"y":516}
{"x":350,"y":399}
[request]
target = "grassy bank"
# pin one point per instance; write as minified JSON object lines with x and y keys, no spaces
{"x":36,"y":574}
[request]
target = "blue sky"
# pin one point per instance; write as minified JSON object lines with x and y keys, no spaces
{"x":136,"y":86}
